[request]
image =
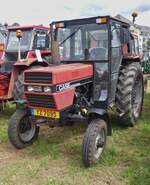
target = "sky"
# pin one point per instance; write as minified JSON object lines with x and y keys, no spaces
{"x":35,"y":12}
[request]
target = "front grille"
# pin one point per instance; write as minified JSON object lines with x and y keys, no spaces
{"x":46,"y":101}
{"x":38,"y":77}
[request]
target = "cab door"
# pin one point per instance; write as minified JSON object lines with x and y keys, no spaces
{"x":116,"y":58}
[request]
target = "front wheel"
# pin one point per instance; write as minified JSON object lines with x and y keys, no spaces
{"x":94,"y":142}
{"x":21,"y":132}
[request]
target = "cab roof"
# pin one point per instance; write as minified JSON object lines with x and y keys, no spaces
{"x":90,"y":20}
{"x":27,"y":27}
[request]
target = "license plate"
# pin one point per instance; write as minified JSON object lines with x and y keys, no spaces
{"x":46,"y":113}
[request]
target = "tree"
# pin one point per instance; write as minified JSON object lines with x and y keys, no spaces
{"x":148,"y":43}
{"x":15,"y":24}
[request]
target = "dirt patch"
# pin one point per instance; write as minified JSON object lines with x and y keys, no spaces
{"x":147,"y":85}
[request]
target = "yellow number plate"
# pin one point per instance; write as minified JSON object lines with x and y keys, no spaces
{"x":46,"y":113}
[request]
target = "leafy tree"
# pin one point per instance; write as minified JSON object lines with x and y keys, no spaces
{"x":15,"y":24}
{"x":148,"y":43}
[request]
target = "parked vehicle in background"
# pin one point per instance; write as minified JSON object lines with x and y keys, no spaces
{"x":146,"y":62}
{"x":19,"y":54}
{"x":3,"y":35}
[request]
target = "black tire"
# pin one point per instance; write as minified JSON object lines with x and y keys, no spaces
{"x":21,"y":132}
{"x":18,"y":88}
{"x":18,"y":92}
{"x":129,"y":94}
{"x":91,"y":152}
{"x":1,"y":106}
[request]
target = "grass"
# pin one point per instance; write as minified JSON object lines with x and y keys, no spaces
{"x":55,"y":158}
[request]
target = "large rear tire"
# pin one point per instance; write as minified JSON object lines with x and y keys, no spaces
{"x":94,"y":142}
{"x":129,"y":95}
{"x":21,"y":132}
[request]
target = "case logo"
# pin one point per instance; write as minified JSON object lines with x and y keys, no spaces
{"x":62,"y":87}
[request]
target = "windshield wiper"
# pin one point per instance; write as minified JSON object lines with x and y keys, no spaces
{"x":71,"y":35}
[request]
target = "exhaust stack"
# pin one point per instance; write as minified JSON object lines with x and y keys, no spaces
{"x":54,"y":46}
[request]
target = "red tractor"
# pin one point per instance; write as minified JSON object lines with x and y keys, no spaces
{"x":3,"y":35}
{"x":97,"y":68}
{"x":26,"y":47}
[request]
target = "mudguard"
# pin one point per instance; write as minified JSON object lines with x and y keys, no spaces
{"x":29,"y":62}
{"x":100,"y":113}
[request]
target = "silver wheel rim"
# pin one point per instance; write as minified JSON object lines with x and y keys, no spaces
{"x":99,"y":144}
{"x":26,"y":130}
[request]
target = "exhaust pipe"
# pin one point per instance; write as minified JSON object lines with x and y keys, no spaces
{"x":54,"y":45}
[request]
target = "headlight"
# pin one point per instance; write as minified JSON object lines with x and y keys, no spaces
{"x":37,"y":88}
{"x":34,"y":88}
{"x":47,"y":89}
{"x":30,"y":88}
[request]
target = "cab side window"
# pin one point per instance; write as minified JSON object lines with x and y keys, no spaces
{"x":41,"y":40}
{"x":115,"y":48}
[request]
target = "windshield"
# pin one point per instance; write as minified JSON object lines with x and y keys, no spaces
{"x":12,"y":44}
{"x":83,"y":42}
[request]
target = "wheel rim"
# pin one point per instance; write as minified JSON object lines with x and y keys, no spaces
{"x":99,"y":143}
{"x":26,"y":129}
{"x":137,"y":94}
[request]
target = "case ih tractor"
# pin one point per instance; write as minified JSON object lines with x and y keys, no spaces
{"x":97,"y":67}
{"x":21,"y":50}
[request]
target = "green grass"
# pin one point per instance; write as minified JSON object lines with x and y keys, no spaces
{"x":55,"y":159}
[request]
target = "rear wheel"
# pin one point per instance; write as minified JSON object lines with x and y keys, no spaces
{"x":21,"y":131}
{"x":94,"y":142}
{"x":129,"y":95}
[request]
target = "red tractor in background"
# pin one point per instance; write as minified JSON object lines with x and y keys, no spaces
{"x":3,"y":35}
{"x":26,"y":47}
{"x":96,"y":66}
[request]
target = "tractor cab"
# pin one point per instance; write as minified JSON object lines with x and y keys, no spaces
{"x":33,"y":38}
{"x":104,"y":42}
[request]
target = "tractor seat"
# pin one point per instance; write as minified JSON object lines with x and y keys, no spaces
{"x":98,"y":53}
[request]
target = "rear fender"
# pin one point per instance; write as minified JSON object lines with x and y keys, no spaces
{"x":94,"y":113}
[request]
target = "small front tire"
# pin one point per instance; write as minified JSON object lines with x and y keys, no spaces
{"x":21,"y":132}
{"x":94,"y":142}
